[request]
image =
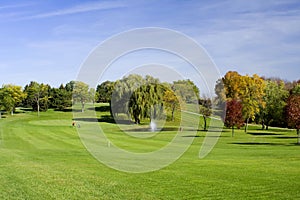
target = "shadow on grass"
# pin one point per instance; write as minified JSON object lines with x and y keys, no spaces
{"x":19,"y":111}
{"x":213,"y":136}
{"x":86,"y":119}
{"x":263,"y":133}
{"x":264,"y":144}
{"x":194,"y":136}
{"x":26,"y":109}
{"x":286,"y":137}
{"x":69,"y":110}
{"x":104,"y":118}
{"x":101,"y":108}
{"x":273,"y":129}
{"x":73,"y":110}
{"x":66,"y":110}
{"x":148,"y":129}
{"x":107,"y":119}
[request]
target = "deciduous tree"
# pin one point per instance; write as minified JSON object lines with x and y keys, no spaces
{"x":234,"y":115}
{"x":232,"y":87}
{"x":251,"y":95}
{"x":11,"y":96}
{"x":205,"y":109}
{"x":37,"y":95}
{"x":293,"y":113}
{"x":187,"y":90}
{"x":275,"y":101}
{"x":296,"y":89}
{"x":171,"y":101}
{"x":104,"y":91}
{"x":81,"y":93}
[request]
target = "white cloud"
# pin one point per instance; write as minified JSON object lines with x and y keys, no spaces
{"x":14,"y":6}
{"x":79,"y":9}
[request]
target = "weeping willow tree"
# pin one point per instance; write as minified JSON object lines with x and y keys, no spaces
{"x":123,"y":90}
{"x":146,"y":97}
{"x":138,"y":97}
{"x":147,"y":102}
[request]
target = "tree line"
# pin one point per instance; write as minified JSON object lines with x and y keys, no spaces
{"x":40,"y":96}
{"x":136,"y":96}
{"x":267,"y":101}
{"x":146,"y":97}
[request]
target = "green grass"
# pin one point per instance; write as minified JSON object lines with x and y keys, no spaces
{"x":43,"y":158}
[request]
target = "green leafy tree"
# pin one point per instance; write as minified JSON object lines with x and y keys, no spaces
{"x":11,"y":96}
{"x":123,"y":90}
{"x":6,"y":100}
{"x":70,"y":86}
{"x":137,"y":97}
{"x":293,"y":113}
{"x":60,"y":98}
{"x":81,"y":94}
{"x":104,"y":91}
{"x":220,"y":100}
{"x":275,"y":101}
{"x":296,"y":89}
{"x":205,"y":110}
{"x":147,"y":100}
{"x":187,"y":90}
{"x":37,"y":96}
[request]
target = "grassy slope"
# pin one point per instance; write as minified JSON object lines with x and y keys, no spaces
{"x":43,"y":158}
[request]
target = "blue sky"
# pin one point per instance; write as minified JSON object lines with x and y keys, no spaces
{"x":47,"y":41}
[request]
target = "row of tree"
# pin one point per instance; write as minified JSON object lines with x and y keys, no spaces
{"x":136,"y":96}
{"x":252,"y":98}
{"x":40,"y":96}
{"x":146,"y":97}
{"x":246,"y":98}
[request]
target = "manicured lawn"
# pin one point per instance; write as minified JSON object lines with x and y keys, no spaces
{"x":44,"y":158}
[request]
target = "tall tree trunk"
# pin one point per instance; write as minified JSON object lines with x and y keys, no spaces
{"x":232,"y":131}
{"x":38,"y":108}
{"x":82,"y":106}
{"x":246,"y":127}
{"x":110,"y":110}
{"x":204,"y":118}
{"x":262,"y":125}
{"x":12,"y":112}
{"x":173,"y":110}
{"x":136,"y":119}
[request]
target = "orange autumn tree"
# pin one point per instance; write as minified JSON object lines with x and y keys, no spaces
{"x":249,"y":90}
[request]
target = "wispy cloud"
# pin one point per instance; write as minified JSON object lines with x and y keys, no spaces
{"x":14,"y":6}
{"x":87,"y":7}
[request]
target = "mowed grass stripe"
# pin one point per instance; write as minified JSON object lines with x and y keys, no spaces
{"x":246,"y":166}
{"x":37,"y":138}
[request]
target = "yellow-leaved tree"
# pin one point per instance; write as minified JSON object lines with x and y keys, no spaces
{"x":251,"y":94}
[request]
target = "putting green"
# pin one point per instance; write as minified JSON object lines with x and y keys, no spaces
{"x":54,"y":122}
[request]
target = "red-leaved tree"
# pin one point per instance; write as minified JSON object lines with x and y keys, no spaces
{"x":293,"y":113}
{"x":234,"y":115}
